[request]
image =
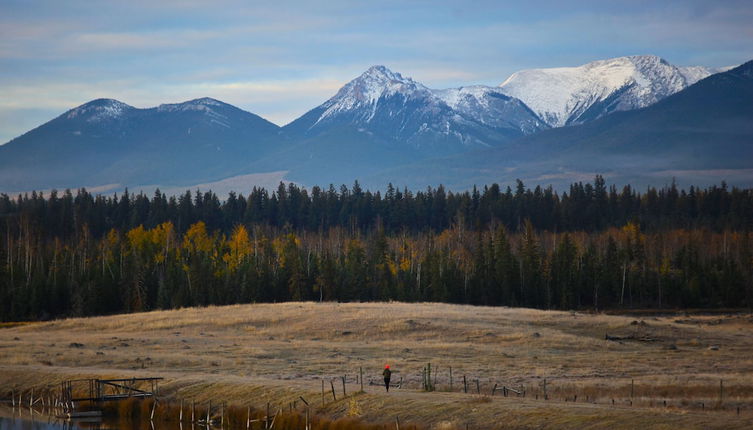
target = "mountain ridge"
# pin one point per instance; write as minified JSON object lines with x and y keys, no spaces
{"x":700,"y":135}
{"x":390,"y":107}
{"x":375,"y":123}
{"x":571,"y":95}
{"x":106,"y":141}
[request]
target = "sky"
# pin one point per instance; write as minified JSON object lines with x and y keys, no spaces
{"x":278,"y":59}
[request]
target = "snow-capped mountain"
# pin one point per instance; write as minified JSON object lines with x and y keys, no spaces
{"x":384,"y":125}
{"x":109,"y":142}
{"x":491,"y":107}
{"x":389,"y":107}
{"x":100,"y":110}
{"x":571,"y":95}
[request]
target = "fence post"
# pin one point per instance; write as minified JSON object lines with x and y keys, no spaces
{"x":478,"y":387}
{"x":465,"y":385}
{"x":344,"y":385}
{"x":721,"y":391}
{"x":546,"y":397}
{"x":332,"y":384}
{"x":450,"y":378}
{"x":428,"y":376}
{"x":360,"y":370}
{"x":322,"y":392}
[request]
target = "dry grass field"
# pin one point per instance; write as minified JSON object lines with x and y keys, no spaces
{"x":253,"y":354}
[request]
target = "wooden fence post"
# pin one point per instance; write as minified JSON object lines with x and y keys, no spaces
{"x":428,"y":377}
{"x":209,"y":411}
{"x":721,"y":391}
{"x":546,"y":397}
{"x":248,"y":417}
{"x":450,"y":378}
{"x":360,"y":371}
{"x":333,"y":390}
{"x":344,"y":395}
{"x":322,"y":392}
{"x":494,"y":389}
{"x":632,"y":388}
{"x":478,"y":387}
{"x":465,"y":385}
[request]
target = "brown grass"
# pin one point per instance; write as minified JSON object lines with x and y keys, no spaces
{"x":251,"y":354}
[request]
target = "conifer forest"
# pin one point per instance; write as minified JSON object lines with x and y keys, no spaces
{"x":592,"y":247}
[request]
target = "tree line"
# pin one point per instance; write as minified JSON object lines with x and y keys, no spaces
{"x":584,"y":207}
{"x":589,"y":248}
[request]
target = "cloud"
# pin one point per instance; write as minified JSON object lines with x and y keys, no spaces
{"x":277,"y":100}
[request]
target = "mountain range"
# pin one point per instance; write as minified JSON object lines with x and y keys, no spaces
{"x":701,"y":135}
{"x":574,"y":95}
{"x":633,"y":118}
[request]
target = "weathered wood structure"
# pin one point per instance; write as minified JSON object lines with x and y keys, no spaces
{"x":103,"y":390}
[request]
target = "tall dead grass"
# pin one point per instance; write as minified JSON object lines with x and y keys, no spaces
{"x":132,"y":412}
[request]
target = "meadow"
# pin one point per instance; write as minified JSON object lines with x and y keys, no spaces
{"x":659,"y":370}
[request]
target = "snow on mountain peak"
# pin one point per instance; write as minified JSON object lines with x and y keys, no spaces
{"x":99,"y":110}
{"x":206,"y":105}
{"x":202,"y":104}
{"x":464,"y":97}
{"x":395,"y":105}
{"x":206,"y":101}
{"x":367,"y":89}
{"x":560,"y":96}
{"x":382,"y":73}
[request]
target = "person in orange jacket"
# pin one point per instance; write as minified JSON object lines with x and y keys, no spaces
{"x":387,"y":375}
